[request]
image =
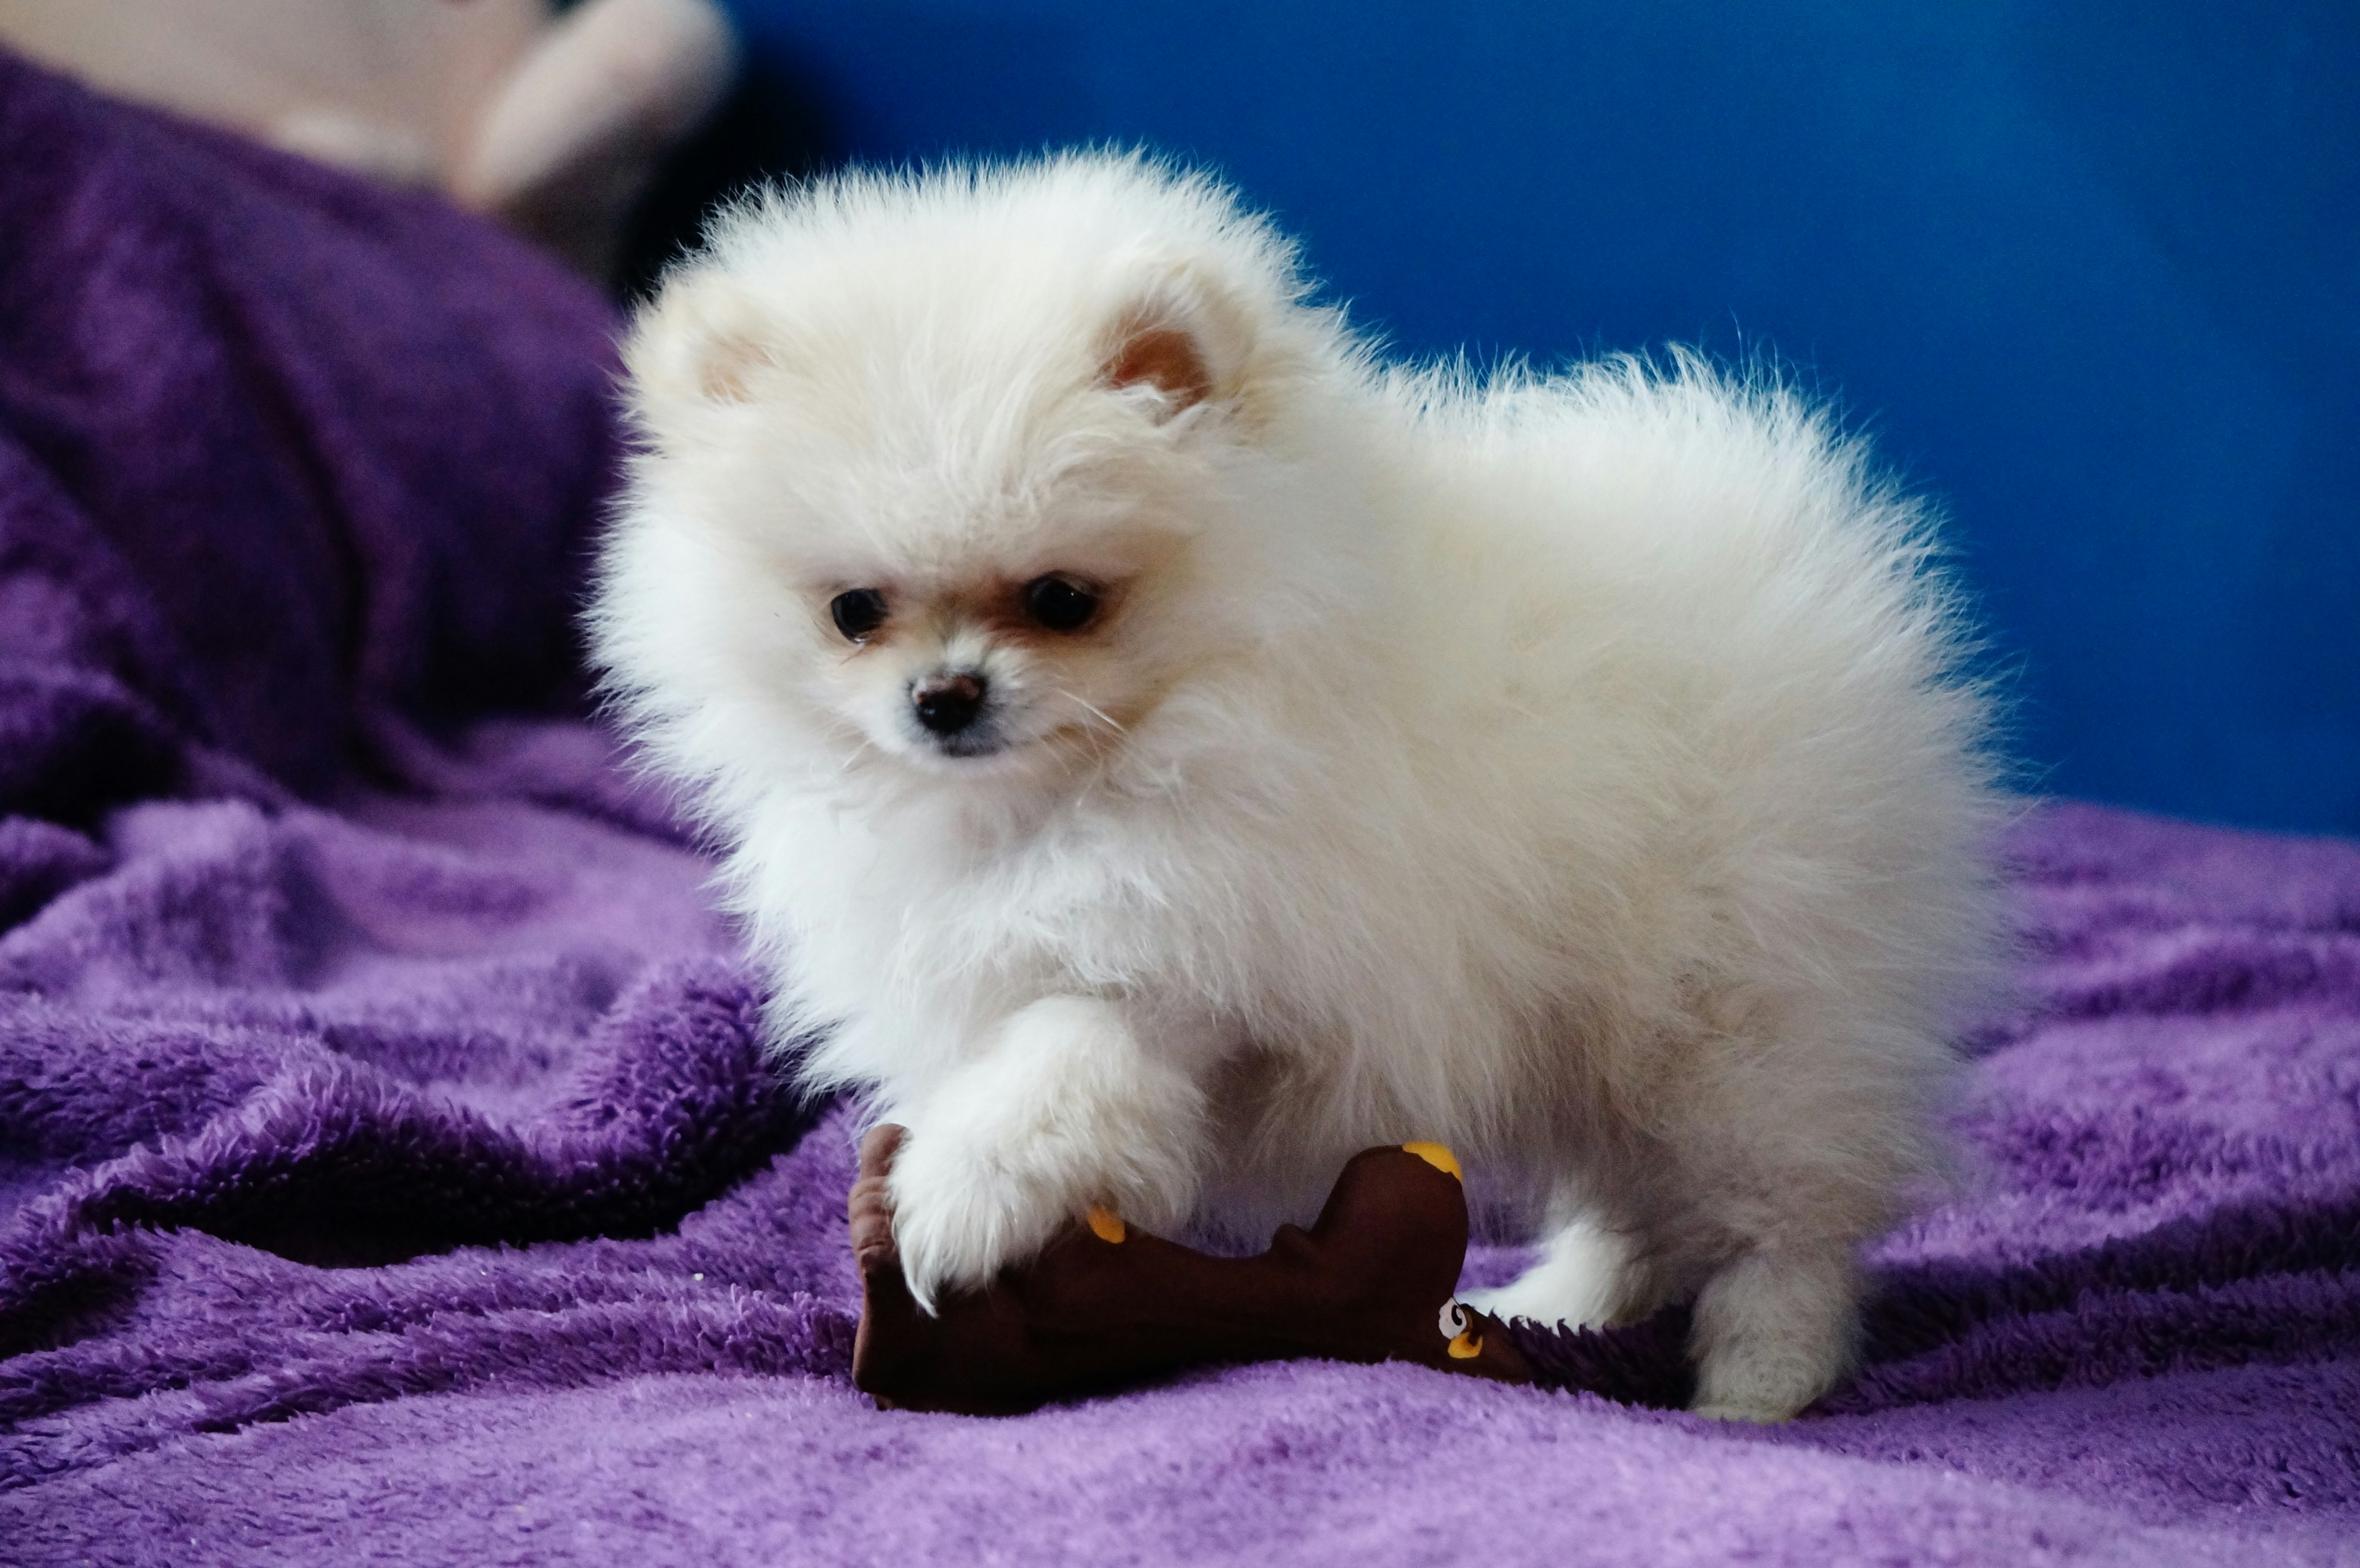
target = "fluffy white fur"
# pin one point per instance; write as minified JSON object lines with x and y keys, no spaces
{"x":1574,"y":769}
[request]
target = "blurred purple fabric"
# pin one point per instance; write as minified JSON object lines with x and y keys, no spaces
{"x":390,"y":1169}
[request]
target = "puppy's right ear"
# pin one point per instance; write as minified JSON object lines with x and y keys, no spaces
{"x":1180,"y":336}
{"x":1143,"y":351}
{"x":700,"y":344}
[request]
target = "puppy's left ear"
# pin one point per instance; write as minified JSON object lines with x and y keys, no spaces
{"x":703,"y":342}
{"x":1181,"y":338}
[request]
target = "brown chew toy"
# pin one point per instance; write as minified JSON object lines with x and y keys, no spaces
{"x":1105,"y":1304}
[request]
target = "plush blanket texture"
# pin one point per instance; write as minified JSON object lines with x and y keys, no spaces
{"x":388,"y":1170}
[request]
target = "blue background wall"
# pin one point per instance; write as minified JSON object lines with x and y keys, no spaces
{"x":2090,"y":273}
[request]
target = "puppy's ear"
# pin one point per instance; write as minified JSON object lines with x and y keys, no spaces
{"x":1164,"y":357}
{"x":701,"y":343}
{"x":1180,"y":337}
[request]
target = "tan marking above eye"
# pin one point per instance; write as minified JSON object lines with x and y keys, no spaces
{"x":998,"y":608}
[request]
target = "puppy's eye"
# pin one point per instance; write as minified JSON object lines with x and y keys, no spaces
{"x":1060,"y":602}
{"x":857,"y":612}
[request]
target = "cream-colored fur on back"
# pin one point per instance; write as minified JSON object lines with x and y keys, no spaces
{"x":1575,"y":769}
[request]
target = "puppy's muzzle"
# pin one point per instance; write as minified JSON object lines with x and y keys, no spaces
{"x":949,"y":704}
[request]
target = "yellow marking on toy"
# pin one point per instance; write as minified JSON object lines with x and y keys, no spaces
{"x":1441,"y":1159}
{"x":1106,"y":1224}
{"x":1467,"y":1346}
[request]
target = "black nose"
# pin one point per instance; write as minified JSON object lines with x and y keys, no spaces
{"x":948,"y":703}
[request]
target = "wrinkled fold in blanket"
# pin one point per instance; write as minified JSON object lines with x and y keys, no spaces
{"x":390,"y":1167}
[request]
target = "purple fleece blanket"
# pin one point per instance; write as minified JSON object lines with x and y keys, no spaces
{"x":388,"y":1170}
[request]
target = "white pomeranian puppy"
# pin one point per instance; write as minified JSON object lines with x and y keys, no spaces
{"x":1164,"y":750}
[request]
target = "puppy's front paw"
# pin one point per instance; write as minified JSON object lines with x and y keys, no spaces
{"x":960,"y":1216}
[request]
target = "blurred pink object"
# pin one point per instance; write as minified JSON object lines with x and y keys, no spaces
{"x":554,"y":123}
